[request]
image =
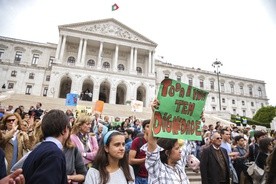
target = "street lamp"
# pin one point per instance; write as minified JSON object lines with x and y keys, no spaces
{"x":217,"y":64}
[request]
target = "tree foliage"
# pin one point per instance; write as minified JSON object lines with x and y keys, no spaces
{"x":265,"y":115}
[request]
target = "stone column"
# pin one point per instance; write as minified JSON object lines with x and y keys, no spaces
{"x":83,"y":57}
{"x":115,"y":62}
{"x":96,"y":93}
{"x":79,"y":52}
{"x":153,"y":63}
{"x":99,"y":65}
{"x":112,"y":96}
{"x":149,"y":63}
{"x":58,"y":48}
{"x":135,"y":60}
{"x":131,"y":61}
{"x":62,"y":48}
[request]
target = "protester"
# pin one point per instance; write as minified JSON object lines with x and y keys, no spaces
{"x":110,"y":165}
{"x":271,"y":168}
{"x":14,"y":178}
{"x":46,"y":163}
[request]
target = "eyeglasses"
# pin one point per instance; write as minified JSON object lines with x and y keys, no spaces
{"x":218,"y":138}
{"x":10,"y":120}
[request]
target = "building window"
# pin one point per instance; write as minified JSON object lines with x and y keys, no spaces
{"x":201,"y":83}
{"x":48,"y":77}
{"x":243,"y":112}
{"x":214,"y":108}
{"x":167,"y":76}
{"x":250,"y":91}
{"x":190,"y":81}
{"x":121,"y":67}
{"x":1,"y":53}
{"x":212,"y":85}
{"x":243,"y":103}
{"x":223,"y":100}
{"x":106,"y":65}
{"x":139,"y":70}
{"x":45,"y":90}
{"x":252,"y":104}
{"x":31,"y":76}
{"x":262,"y":105}
{"x":10,"y":85}
{"x":222,"y":87}
{"x":51,"y":60}
{"x":232,"y":88}
{"x":91,"y":63}
{"x":18,"y":56}
{"x":28,"y":89}
{"x":71,"y":61}
{"x":233,"y":102}
{"x":13,"y":73}
{"x":213,"y":99}
{"x":234,"y":111}
{"x":178,"y":78}
{"x":224,"y":108}
{"x":35,"y":59}
{"x":260,"y":92}
{"x":241,"y":90}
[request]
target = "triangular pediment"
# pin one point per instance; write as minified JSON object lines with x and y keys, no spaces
{"x":110,"y":28}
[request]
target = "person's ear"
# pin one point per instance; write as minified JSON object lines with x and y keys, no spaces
{"x":167,"y":153}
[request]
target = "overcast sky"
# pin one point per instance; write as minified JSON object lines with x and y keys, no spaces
{"x":192,"y":33}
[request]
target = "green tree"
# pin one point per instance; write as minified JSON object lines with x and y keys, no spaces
{"x":265,"y":115}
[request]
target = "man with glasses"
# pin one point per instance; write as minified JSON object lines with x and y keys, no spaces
{"x":214,"y":163}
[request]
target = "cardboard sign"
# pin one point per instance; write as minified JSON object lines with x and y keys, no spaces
{"x":136,"y":106}
{"x":83,"y":110}
{"x":99,"y":106}
{"x":179,"y":113}
{"x":71,"y":99}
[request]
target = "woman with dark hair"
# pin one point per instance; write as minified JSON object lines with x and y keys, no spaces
{"x":266,"y":147}
{"x":165,"y":159}
{"x":271,"y":168}
{"x":111,"y":163}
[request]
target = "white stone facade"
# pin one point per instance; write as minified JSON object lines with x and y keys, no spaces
{"x":109,"y":61}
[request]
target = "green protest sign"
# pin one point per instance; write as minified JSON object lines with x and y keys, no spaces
{"x":179,"y":113}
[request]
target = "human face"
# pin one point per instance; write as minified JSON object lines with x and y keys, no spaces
{"x":216,"y":140}
{"x":241,"y":142}
{"x":11,"y":122}
{"x":116,"y":147}
{"x":226,"y":136}
{"x":270,"y":147}
{"x":175,"y":154}
{"x":147,"y":129}
{"x":85,"y":127}
{"x":24,"y":126}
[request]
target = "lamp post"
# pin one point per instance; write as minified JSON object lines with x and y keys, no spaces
{"x":217,"y":64}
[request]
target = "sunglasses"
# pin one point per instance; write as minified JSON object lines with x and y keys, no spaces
{"x":10,"y":120}
{"x":218,"y":138}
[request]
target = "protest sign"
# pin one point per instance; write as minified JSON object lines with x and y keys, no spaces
{"x":179,"y":113}
{"x":136,"y":106}
{"x":71,"y":99}
{"x":83,"y":110}
{"x":99,"y":106}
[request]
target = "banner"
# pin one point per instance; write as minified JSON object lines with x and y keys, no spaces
{"x":71,"y":99}
{"x":179,"y":113}
{"x":83,"y":110}
{"x":136,"y":106}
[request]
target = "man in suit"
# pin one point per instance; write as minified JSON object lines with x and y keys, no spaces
{"x":46,"y":163}
{"x":214,"y":163}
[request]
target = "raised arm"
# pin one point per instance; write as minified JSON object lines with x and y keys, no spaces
{"x":152,"y":141}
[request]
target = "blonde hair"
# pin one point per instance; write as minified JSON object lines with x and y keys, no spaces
{"x":80,"y":121}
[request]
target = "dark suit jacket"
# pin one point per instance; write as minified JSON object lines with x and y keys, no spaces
{"x":45,"y":165}
{"x":209,"y":165}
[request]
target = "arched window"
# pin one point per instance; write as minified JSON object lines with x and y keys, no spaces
{"x":121,"y":67}
{"x":139,"y":70}
{"x":71,"y":60}
{"x":106,"y":65}
{"x":91,"y":63}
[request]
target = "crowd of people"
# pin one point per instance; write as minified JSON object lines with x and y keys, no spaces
{"x":38,"y":146}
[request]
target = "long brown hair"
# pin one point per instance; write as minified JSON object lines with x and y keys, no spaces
{"x":101,"y":162}
{"x":4,"y":121}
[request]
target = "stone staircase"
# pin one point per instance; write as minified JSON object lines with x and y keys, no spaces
{"x":59,"y":103}
{"x":194,"y":178}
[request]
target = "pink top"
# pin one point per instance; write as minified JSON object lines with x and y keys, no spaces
{"x":91,"y":143}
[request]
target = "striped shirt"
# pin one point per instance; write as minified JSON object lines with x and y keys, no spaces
{"x":161,"y":173}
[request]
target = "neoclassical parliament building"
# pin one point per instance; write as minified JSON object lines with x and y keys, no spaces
{"x":106,"y":60}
